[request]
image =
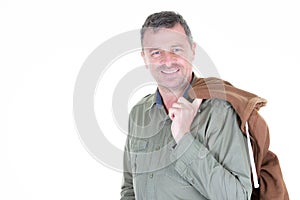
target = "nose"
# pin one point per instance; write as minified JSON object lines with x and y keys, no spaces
{"x":168,"y":58}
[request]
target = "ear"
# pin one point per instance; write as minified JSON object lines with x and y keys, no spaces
{"x":194,"y":47}
{"x":144,"y":58}
{"x":143,"y":54}
{"x":194,"y":50}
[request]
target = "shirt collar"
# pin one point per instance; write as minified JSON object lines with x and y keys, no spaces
{"x":158,"y":101}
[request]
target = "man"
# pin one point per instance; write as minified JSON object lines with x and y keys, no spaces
{"x":177,"y":147}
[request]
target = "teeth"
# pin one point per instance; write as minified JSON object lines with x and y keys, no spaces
{"x":170,"y":72}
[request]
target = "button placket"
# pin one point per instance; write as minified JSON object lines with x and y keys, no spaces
{"x":151,"y":175}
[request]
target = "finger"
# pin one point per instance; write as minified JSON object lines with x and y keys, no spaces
{"x":183,"y":100}
{"x":185,"y":103}
{"x":177,"y":105}
{"x":196,"y":103}
{"x":173,"y":112}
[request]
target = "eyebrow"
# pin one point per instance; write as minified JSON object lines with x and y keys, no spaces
{"x":149,"y":49}
{"x":177,"y":45}
{"x":159,"y":48}
{"x":152,"y":49}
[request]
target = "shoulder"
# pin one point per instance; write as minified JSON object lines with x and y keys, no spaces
{"x":145,"y":103}
{"x":216,"y":104}
{"x":218,"y":109}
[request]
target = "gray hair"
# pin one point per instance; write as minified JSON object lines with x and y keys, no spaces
{"x":165,"y":19}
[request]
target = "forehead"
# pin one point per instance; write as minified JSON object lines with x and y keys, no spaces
{"x":165,"y":37}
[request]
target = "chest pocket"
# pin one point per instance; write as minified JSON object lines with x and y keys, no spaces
{"x":138,"y":156}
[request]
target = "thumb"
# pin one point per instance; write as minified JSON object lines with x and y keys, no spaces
{"x":196,"y":103}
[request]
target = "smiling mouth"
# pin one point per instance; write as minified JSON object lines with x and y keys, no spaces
{"x":170,"y":71}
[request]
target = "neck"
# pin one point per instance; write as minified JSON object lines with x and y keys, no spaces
{"x":170,"y":96}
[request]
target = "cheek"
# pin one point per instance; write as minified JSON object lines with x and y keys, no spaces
{"x":152,"y":65}
{"x":149,"y":61}
{"x":185,"y":63}
{"x":185,"y":59}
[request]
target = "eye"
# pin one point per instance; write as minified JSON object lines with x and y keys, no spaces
{"x":155,"y":53}
{"x":177,"y":49}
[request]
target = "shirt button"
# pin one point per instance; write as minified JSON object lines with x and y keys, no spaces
{"x":151,"y":175}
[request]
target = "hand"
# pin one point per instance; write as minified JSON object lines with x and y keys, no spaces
{"x":182,"y":114}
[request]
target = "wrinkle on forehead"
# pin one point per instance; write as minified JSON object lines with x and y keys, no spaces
{"x":164,"y":38}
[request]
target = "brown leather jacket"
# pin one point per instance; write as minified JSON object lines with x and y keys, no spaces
{"x":272,"y":186}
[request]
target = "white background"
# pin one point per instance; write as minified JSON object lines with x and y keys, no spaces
{"x":254,"y":45}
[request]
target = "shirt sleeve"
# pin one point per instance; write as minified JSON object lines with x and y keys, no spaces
{"x":219,"y":166}
{"x":127,"y":191}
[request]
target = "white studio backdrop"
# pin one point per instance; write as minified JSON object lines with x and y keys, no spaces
{"x":43,"y":44}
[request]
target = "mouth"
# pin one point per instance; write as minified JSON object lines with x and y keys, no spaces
{"x":173,"y":71}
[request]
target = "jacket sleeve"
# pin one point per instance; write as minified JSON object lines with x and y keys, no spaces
{"x":271,"y":184}
{"x":127,"y":191}
{"x":218,"y":165}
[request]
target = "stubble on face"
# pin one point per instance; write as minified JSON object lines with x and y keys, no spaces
{"x":168,"y":55}
{"x":170,"y":78}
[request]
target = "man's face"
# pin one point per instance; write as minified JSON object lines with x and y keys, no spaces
{"x":168,"y":55}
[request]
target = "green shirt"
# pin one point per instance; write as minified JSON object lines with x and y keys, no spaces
{"x":209,"y":162}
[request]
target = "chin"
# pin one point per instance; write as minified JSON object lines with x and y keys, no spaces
{"x":173,"y":86}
